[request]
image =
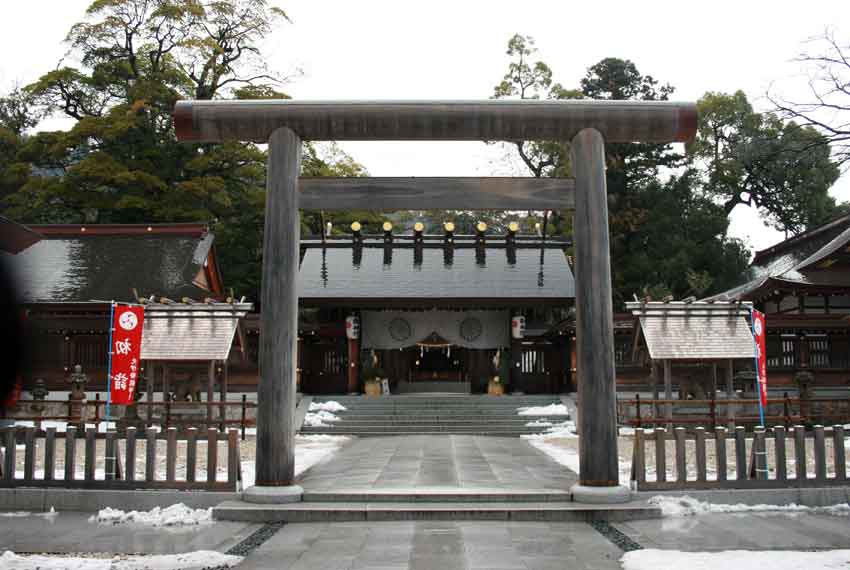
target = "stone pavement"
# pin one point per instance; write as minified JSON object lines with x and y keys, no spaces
{"x":748,"y":531}
{"x":436,"y":545}
{"x":70,"y":532}
{"x":453,"y":462}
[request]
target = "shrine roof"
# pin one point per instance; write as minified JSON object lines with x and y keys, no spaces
{"x":801,"y":262}
{"x":193,"y":332}
{"x":85,"y":263}
{"x":436,"y":273}
{"x":694,"y":331}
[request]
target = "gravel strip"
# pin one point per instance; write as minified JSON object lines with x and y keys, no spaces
{"x":255,"y":539}
{"x":614,"y":534}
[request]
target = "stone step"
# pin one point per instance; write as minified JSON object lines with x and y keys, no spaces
{"x":447,"y":511}
{"x":489,"y":432}
{"x":379,"y":420}
{"x":421,"y":495}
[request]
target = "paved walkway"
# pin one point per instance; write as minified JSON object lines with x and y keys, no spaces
{"x":436,"y":545}
{"x":748,"y":531}
{"x":444,"y":462}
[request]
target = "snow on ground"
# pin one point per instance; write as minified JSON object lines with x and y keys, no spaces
{"x":560,"y":442}
{"x":309,"y":450}
{"x":62,"y":426}
{"x":539,"y":423}
{"x":560,"y":429}
{"x":188,"y":561}
{"x":175,"y":515}
{"x":331,"y":406}
{"x":652,"y":559}
{"x":320,"y":419}
{"x":550,"y":410}
{"x":689,"y":506}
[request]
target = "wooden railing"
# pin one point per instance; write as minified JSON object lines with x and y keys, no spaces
{"x":40,"y":469}
{"x":91,"y":412}
{"x":643,"y":412}
{"x":758,"y":461}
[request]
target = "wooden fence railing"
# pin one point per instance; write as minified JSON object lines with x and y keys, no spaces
{"x":644,"y":412}
{"x":117,"y":456}
{"x":92,"y":412}
{"x":736,"y":461}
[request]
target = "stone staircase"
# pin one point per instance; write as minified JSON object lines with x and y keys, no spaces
{"x":434,"y":415}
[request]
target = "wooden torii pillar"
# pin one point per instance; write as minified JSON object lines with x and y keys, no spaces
{"x":587,"y":124}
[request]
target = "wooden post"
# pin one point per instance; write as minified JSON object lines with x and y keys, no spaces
{"x":70,"y":453}
{"x":210,"y":392}
{"x":150,"y":378}
{"x":779,"y":443}
{"x":800,"y":453}
{"x":639,"y":462}
{"x":740,"y":454}
{"x":660,"y":455}
{"x":275,"y":462}
{"x":130,"y":455}
{"x":838,"y":451}
{"x":49,"y":453}
{"x":353,"y":365}
{"x":681,"y":458}
{"x":597,"y":396}
{"x":222,"y":396}
{"x":699,"y":447}
{"x":720,"y":452}
{"x":668,"y":394}
{"x":656,"y":411}
{"x":730,"y":394}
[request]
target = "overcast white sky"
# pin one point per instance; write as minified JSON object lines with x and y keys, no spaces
{"x":455,"y":50}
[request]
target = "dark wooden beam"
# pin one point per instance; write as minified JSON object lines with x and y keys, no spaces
{"x":487,"y":120}
{"x":597,"y":401}
{"x":275,"y":461}
{"x":462,"y":193}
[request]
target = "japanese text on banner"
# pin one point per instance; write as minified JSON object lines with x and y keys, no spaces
{"x":125,"y":352}
{"x":760,"y":330}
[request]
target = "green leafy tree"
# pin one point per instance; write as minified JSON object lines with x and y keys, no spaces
{"x":665,"y":238}
{"x":121,"y":162}
{"x":756,"y":159}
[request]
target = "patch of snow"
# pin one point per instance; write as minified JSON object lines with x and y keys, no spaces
{"x":309,"y":450}
{"x":331,"y":406}
{"x":550,"y":410}
{"x":653,"y":559}
{"x":562,"y":429}
{"x":320,"y":419}
{"x":688,"y":506}
{"x":188,"y":561}
{"x":60,"y":426}
{"x":15,"y":514}
{"x":175,"y":515}
{"x":539,"y":423}
{"x":566,"y":455}
{"x":625,"y":430}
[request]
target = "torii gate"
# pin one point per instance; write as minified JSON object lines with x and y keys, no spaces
{"x":587,"y":124}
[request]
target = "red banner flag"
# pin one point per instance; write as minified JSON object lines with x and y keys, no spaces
{"x":125,"y":352}
{"x":759,"y":330}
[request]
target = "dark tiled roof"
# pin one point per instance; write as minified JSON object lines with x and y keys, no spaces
{"x":16,"y":237}
{"x":333,"y":274}
{"x":791,"y":262}
{"x":71,"y":268}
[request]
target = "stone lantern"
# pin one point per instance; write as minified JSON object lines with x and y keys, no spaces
{"x":78,"y":382}
{"x":39,"y":394}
